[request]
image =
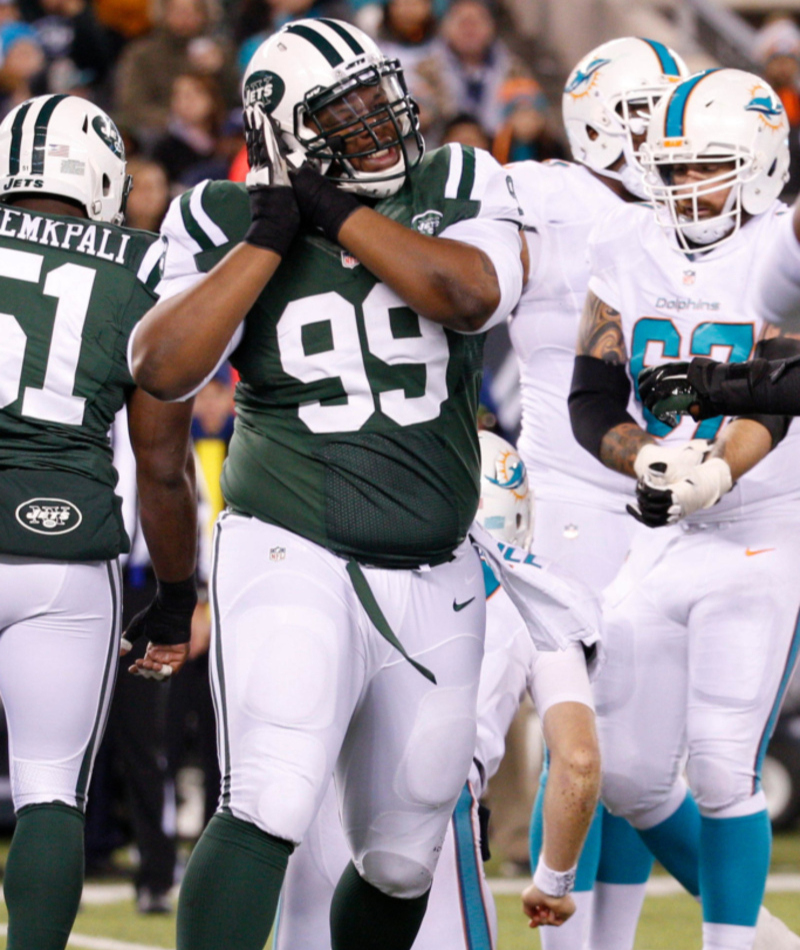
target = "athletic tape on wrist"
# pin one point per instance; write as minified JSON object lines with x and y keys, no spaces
{"x":554,"y":883}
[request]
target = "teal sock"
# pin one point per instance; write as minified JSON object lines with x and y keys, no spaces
{"x":734,"y":863}
{"x":364,"y":918}
{"x":624,"y":859}
{"x":231,"y":887}
{"x":44,"y":876}
{"x":676,"y":844}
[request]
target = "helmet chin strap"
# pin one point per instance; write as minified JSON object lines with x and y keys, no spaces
{"x":629,"y":176}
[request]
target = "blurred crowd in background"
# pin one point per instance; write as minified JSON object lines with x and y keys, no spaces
{"x":168,"y":71}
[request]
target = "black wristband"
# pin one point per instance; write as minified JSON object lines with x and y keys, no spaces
{"x":179,"y":596}
{"x":321,"y":203}
{"x":275,"y":218}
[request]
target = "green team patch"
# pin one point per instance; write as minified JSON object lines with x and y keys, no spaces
{"x":428,"y":222}
{"x":265,"y":87}
{"x":50,"y":516}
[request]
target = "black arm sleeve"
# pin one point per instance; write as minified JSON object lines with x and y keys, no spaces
{"x":769,"y":384}
{"x":778,"y":352}
{"x":598,"y":400}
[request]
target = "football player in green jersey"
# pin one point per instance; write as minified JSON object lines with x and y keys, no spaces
{"x":74,"y":283}
{"x":348,"y":605}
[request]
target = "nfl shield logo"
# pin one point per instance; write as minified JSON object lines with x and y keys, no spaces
{"x":277,"y":554}
{"x":688,"y":277}
{"x":349,"y":261}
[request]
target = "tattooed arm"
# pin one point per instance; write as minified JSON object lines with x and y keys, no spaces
{"x":600,"y":337}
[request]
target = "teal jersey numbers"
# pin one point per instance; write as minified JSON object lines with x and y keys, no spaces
{"x":71,"y":292}
{"x":356,"y":418}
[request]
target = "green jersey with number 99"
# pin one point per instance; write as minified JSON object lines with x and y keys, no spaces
{"x":72,"y":291}
{"x":356,"y":419}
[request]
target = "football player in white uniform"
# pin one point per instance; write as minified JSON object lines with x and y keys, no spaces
{"x":702,"y":620}
{"x":581,"y":520}
{"x":348,"y":607}
{"x":461,"y":913}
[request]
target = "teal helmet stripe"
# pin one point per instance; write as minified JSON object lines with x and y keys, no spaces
{"x":40,"y":133}
{"x":16,"y":139}
{"x":669,"y":66}
{"x":316,"y":39}
{"x":673,"y":122}
{"x":351,"y":41}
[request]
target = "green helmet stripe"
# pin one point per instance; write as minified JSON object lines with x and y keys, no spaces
{"x":351,"y":41}
{"x":318,"y":40}
{"x":467,"y":174}
{"x":190,"y":223}
{"x":40,"y":133}
{"x":16,"y":139}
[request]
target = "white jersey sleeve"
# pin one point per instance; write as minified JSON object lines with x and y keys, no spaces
{"x":777,"y":283}
{"x":496,"y":228}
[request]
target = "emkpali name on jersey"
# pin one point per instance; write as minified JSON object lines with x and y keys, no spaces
{"x":107,"y":243}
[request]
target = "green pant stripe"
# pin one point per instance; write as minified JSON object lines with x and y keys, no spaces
{"x":109,"y":676}
{"x":219,"y":702}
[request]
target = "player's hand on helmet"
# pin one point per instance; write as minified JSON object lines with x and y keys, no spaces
{"x":273,"y":208}
{"x":166,"y":622}
{"x":544,"y":910}
{"x":674,"y":388}
{"x":323,"y":204}
{"x":668,"y":503}
{"x":265,"y":151}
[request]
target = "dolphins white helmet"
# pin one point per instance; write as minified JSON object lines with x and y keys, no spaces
{"x":315,"y":69}
{"x":721,"y":117}
{"x":608,"y":99}
{"x":67,"y":147}
{"x":506,"y":505}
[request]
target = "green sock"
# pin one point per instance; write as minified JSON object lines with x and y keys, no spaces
{"x":44,"y":876}
{"x":364,"y":918}
{"x":231,"y":887}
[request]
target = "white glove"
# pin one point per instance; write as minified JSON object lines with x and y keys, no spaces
{"x":265,"y":151}
{"x":703,"y":488}
{"x":661,"y":465}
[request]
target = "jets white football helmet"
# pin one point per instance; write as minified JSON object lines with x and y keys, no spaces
{"x":67,"y":147}
{"x":718,"y":117}
{"x":505,"y":509}
{"x":326,"y":67}
{"x":608,"y":99}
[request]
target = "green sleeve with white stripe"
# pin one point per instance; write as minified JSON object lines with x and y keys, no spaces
{"x":202,"y":225}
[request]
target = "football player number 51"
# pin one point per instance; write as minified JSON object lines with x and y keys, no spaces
{"x":337,"y":352}
{"x":71,"y":285}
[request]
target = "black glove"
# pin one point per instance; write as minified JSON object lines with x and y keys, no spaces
{"x":273,"y":207}
{"x":652,"y":505}
{"x":322,"y":204}
{"x":168,"y":617}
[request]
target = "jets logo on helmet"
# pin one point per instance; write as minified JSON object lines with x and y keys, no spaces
{"x":583,"y":81}
{"x":608,"y":100}
{"x":66,"y":147}
{"x":339,"y":103}
{"x":506,"y":504}
{"x":264,"y":87}
{"x":721,"y":117}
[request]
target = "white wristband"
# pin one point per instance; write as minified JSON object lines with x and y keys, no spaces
{"x":554,"y":883}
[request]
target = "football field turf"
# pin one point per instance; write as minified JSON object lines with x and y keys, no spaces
{"x":670,"y":921}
